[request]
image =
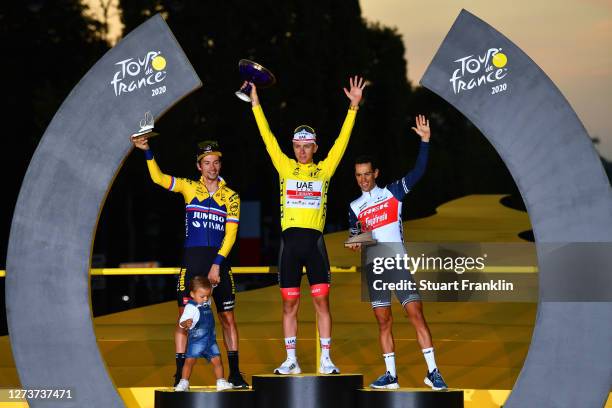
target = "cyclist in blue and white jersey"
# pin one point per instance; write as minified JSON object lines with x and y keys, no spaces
{"x":379,"y":210}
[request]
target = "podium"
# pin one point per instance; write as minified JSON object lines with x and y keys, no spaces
{"x":409,"y":398}
{"x":204,"y":397}
{"x":308,"y":391}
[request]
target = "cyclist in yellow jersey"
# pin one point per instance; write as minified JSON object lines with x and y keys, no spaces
{"x":303,"y":203}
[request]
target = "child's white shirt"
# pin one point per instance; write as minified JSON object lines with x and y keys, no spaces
{"x":191,"y":312}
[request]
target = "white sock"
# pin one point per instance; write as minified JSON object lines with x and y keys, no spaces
{"x":428,"y":353}
{"x":390,"y":363}
{"x":325,"y":346}
{"x":290,"y":344}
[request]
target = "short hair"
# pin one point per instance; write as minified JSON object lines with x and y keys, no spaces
{"x":366,"y":158}
{"x":199,"y":282}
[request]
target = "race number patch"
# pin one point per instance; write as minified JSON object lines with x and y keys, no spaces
{"x":303,"y":194}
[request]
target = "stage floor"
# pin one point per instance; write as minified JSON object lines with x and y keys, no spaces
{"x":480,"y":347}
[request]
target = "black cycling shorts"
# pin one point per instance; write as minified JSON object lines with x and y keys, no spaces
{"x":197,"y":261}
{"x":302,"y":247}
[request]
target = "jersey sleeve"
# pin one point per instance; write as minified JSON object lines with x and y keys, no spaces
{"x":353,"y":223}
{"x":330,"y":163}
{"x":171,"y":183}
{"x":279,"y":159}
{"x":189,"y":312}
{"x":231,"y":228}
{"x":401,"y":187}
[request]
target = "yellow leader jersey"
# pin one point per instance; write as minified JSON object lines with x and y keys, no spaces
{"x":303,"y":187}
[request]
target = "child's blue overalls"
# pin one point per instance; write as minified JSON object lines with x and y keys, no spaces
{"x":202,"y":342}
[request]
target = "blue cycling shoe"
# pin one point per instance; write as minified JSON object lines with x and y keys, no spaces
{"x":435,"y":380}
{"x":386,"y":381}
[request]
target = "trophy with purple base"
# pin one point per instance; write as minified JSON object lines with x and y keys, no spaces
{"x":251,"y":71}
{"x":146,"y":127}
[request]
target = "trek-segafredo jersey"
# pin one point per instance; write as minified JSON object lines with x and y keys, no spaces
{"x":211,"y":220}
{"x":380,"y":209}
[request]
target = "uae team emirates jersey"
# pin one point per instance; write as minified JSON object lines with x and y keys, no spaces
{"x":303,"y":187}
{"x":380,"y":209}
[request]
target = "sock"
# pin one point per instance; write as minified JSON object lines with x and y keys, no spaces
{"x":290,"y":344}
{"x":325,"y":346}
{"x":428,"y":353}
{"x":390,"y":363}
{"x":232,"y":358}
{"x":180,"y":362}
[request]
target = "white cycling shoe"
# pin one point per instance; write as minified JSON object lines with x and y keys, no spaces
{"x":289,"y":366}
{"x":328,"y":367}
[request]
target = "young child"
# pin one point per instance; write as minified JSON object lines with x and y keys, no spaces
{"x":202,"y":342}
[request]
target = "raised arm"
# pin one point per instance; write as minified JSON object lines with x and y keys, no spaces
{"x":168,"y":182}
{"x":337,"y":151}
{"x":401,"y":187}
{"x":279,"y":159}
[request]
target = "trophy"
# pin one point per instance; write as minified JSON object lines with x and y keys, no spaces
{"x":253,"y":72}
{"x":363,"y":237}
{"x":146,"y":127}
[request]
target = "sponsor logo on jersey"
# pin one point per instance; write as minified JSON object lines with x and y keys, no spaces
{"x":379,"y":215}
{"x":303,"y":194}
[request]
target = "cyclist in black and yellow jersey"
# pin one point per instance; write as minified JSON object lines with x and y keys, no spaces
{"x":303,"y":200}
{"x":212,"y":212}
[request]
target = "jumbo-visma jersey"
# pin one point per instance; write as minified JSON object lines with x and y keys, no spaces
{"x":210,"y":220}
{"x":303,"y":187}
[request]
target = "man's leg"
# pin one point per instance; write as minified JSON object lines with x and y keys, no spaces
{"x":230,"y":330}
{"x":384,"y":318}
{"x":291,"y":307}
{"x":225,"y":297}
{"x":319,"y":277}
{"x":324,"y":320}
{"x":289,"y":279}
{"x":414,"y":310}
{"x":180,"y":334}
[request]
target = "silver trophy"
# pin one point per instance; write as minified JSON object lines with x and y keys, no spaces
{"x":146,"y":127}
{"x":364,"y":237}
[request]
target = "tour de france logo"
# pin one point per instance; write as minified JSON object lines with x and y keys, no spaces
{"x":473,"y":71}
{"x":146,"y":71}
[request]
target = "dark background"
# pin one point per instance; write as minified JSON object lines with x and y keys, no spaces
{"x":312,"y":47}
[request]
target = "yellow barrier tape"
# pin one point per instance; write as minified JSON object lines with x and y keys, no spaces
{"x":267,"y":269}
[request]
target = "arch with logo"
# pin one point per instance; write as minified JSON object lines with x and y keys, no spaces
{"x":568,"y":197}
{"x":52,"y":336}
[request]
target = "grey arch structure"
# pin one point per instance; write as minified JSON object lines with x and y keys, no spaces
{"x":47,"y":280}
{"x":568,"y":196}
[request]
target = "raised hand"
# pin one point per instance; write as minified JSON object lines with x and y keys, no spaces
{"x":356,"y":92}
{"x":253,"y":94}
{"x":422,"y":128}
{"x":141,"y":142}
